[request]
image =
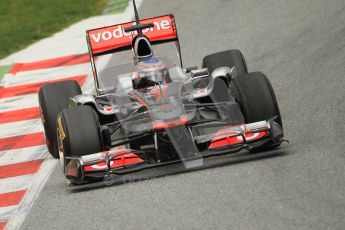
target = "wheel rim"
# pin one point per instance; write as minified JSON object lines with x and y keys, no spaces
{"x":61,"y":152}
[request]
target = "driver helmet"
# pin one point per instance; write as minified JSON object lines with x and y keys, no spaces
{"x":150,"y":72}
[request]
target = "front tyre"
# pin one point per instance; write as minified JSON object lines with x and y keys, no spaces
{"x":78,"y":133}
{"x":255,"y":95}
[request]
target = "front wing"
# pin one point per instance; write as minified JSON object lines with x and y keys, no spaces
{"x":120,"y":161}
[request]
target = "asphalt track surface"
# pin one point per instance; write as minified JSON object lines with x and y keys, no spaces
{"x":300,"y":45}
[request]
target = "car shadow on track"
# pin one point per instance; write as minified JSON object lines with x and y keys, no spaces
{"x":220,"y":161}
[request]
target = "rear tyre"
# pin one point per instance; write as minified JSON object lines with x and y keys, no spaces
{"x":257,"y":100}
{"x":229,"y":58}
{"x":53,"y":98}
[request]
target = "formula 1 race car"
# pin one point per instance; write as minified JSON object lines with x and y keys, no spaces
{"x":153,"y":112}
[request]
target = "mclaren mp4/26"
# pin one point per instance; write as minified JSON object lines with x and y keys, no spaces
{"x":152,"y":112}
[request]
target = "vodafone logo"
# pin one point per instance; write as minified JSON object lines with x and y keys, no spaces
{"x":118,"y":32}
{"x":115,"y":37}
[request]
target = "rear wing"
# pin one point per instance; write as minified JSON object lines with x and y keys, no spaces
{"x":111,"y":39}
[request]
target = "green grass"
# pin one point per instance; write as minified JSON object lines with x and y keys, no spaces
{"x":4,"y":70}
{"x":116,"y":6}
{"x":23,"y":22}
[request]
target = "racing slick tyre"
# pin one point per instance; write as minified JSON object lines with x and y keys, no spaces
{"x":78,"y":133}
{"x":229,"y":58}
{"x":53,"y":98}
{"x":79,"y":130}
{"x":255,"y":95}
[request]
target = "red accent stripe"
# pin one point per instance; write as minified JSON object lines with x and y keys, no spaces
{"x":50,"y":63}
{"x":228,"y":141}
{"x":20,"y":169}
{"x":127,"y":159}
{"x":3,"y":225}
{"x":19,"y":115}
{"x":22,"y":141}
{"x":11,"y":198}
{"x":34,"y":87}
